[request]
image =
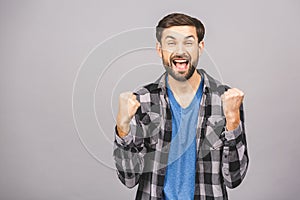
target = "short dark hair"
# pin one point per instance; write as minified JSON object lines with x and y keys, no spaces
{"x":179,"y":19}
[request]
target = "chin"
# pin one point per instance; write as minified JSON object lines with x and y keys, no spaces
{"x":184,"y":76}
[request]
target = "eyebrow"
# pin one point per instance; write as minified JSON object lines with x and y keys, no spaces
{"x":171,"y":37}
{"x":187,"y":37}
{"x":190,"y":36}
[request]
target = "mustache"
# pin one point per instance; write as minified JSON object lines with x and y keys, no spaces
{"x":180,"y":56}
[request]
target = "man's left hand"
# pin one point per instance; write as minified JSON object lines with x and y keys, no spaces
{"x":232,"y":100}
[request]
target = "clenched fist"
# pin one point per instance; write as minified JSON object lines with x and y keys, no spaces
{"x":232,"y":100}
{"x":128,"y":106}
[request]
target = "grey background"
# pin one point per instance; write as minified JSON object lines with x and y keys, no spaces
{"x":255,"y":45}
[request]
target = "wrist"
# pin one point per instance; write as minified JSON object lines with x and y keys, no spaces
{"x":232,"y":125}
{"x":232,"y":120}
{"x":123,"y":130}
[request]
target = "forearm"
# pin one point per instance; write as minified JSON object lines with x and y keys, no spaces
{"x":232,"y":120}
{"x":235,"y":157}
{"x":128,"y":156}
{"x":129,"y":165}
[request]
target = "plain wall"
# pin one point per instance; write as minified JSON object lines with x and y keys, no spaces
{"x":45,"y":155}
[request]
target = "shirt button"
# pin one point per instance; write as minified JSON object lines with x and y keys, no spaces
{"x":162,"y":171}
{"x":232,"y":143}
{"x":226,"y":171}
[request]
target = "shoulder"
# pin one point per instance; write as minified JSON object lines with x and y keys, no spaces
{"x":151,"y":91}
{"x":149,"y":97}
{"x":147,"y":89}
{"x":212,"y":85}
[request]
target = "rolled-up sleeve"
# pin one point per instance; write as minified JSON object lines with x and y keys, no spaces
{"x":235,"y":158}
{"x":129,"y":155}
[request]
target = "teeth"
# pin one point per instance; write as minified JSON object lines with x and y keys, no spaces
{"x":180,"y":61}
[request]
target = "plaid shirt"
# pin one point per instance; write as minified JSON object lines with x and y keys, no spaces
{"x":141,"y":157}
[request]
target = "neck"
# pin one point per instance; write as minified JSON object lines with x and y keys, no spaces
{"x":185,"y":87}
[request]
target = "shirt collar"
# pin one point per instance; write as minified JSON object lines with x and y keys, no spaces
{"x":208,"y":85}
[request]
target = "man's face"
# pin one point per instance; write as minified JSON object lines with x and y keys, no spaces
{"x":180,"y":51}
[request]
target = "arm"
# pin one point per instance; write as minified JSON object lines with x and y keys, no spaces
{"x":128,"y":154}
{"x":235,"y":156}
{"x":129,"y":149}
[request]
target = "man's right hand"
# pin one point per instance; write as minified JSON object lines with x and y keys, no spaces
{"x":128,"y":106}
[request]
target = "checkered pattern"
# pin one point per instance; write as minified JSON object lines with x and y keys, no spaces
{"x":141,"y":157}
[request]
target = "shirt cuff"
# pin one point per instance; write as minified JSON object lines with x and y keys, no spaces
{"x":233,"y":134}
{"x":123,"y":141}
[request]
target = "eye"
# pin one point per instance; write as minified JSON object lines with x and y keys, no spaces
{"x":189,"y":43}
{"x":171,"y":43}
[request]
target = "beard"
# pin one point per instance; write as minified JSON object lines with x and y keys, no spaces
{"x":179,"y":75}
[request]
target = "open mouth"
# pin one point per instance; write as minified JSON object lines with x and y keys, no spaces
{"x":181,"y":64}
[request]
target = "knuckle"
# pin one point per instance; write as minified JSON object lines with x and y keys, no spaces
{"x":125,"y":95}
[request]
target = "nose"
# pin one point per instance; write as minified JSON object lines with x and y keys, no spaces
{"x":180,"y":49}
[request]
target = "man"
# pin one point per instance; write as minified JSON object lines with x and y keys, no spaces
{"x":183,"y":136}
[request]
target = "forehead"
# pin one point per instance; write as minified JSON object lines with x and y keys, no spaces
{"x":179,"y":32}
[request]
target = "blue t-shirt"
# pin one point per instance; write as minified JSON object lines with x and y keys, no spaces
{"x":180,"y":175}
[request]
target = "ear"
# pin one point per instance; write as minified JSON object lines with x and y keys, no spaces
{"x":158,"y":49}
{"x":201,"y":47}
